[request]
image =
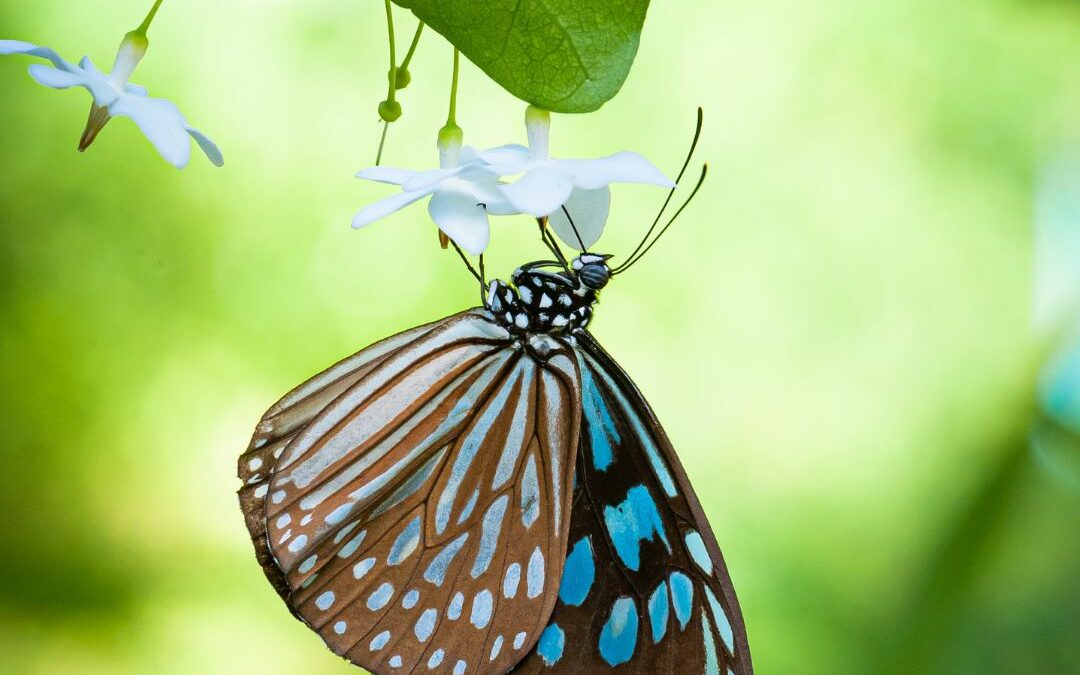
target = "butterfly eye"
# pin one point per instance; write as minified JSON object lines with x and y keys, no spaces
{"x":595,"y":275}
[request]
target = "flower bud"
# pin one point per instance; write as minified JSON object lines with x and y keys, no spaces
{"x":390,"y":111}
{"x":403,"y":78}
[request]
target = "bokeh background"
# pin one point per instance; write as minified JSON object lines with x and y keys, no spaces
{"x":838,"y":335}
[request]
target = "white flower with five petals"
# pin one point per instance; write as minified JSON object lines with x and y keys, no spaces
{"x":159,"y":120}
{"x":463,"y":193}
{"x":545,"y":186}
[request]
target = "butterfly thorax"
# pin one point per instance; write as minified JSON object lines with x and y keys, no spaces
{"x":542,"y":301}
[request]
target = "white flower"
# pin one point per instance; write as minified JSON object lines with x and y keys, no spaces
{"x":160,"y":120}
{"x":463,"y":192}
{"x":546,"y":185}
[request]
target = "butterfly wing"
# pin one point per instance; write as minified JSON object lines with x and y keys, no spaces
{"x":418,"y":516}
{"x":282,"y":422}
{"x":644,"y":587}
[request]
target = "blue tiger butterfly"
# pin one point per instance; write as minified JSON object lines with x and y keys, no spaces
{"x":491,"y":493}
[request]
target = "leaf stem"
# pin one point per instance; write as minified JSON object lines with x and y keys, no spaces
{"x":412,"y":47}
{"x":382,"y":142}
{"x":451,"y":117}
{"x":145,"y":25}
{"x":392,"y":76}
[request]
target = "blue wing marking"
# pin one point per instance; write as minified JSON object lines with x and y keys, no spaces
{"x":682,"y":597}
{"x":618,"y":638}
{"x":633,"y":521}
{"x":602,"y":432}
{"x":579,"y":572}
{"x":659,"y":608}
{"x":551,"y":644}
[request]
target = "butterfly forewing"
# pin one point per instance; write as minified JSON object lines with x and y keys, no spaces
{"x":645,"y":588}
{"x":420,"y":517}
{"x":280,"y":424}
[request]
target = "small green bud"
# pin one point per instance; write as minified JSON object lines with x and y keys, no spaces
{"x":403,"y":78}
{"x":390,"y":111}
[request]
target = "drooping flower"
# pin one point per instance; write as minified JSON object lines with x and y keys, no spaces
{"x":546,"y":185}
{"x":114,"y":96}
{"x":463,"y":191}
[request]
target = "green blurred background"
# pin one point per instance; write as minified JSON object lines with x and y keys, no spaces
{"x":836,"y":336}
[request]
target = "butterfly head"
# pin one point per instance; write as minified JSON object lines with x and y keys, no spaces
{"x":592,"y":270}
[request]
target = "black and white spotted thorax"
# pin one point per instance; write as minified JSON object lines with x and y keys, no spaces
{"x":539,"y":300}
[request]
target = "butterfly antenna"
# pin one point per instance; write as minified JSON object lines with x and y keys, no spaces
{"x":671,"y":193}
{"x":573,"y":227}
{"x":627,"y":265}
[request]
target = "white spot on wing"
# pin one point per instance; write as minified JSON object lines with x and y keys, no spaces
{"x":489,"y":536}
{"x":378,"y":599}
{"x":511,"y":580}
{"x":454,"y":610}
{"x":379,"y":641}
{"x":325,"y":600}
{"x":361,"y":568}
{"x":481,"y":609}
{"x":308,"y":564}
{"x":534,"y":579}
{"x":298,"y":543}
{"x":425,"y":625}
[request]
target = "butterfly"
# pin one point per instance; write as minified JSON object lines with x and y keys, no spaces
{"x":491,"y":493}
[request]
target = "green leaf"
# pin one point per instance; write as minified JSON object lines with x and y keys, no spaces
{"x":567,"y":56}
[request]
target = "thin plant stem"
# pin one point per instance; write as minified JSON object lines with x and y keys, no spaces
{"x":451,"y":117}
{"x":392,"y":76}
{"x":145,"y":25}
{"x":412,"y":47}
{"x":382,"y":142}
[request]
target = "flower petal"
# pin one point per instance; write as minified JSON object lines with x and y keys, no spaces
{"x":97,"y":84}
{"x":135,"y":89}
{"x":20,"y":47}
{"x":506,"y":160}
{"x":458,"y":214}
{"x":386,"y":174}
{"x":423,"y":180}
{"x":622,"y":167}
{"x":542,"y":190}
{"x":54,"y":77}
{"x":495,"y":203}
{"x":207,"y":146}
{"x":384,"y":207}
{"x":161,"y":122}
{"x":589,"y":211}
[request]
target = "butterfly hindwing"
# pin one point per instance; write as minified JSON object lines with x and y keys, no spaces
{"x":418,"y":517}
{"x":645,"y":588}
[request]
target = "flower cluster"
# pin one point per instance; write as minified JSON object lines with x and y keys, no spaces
{"x":470,"y":185}
{"x":571,"y":195}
